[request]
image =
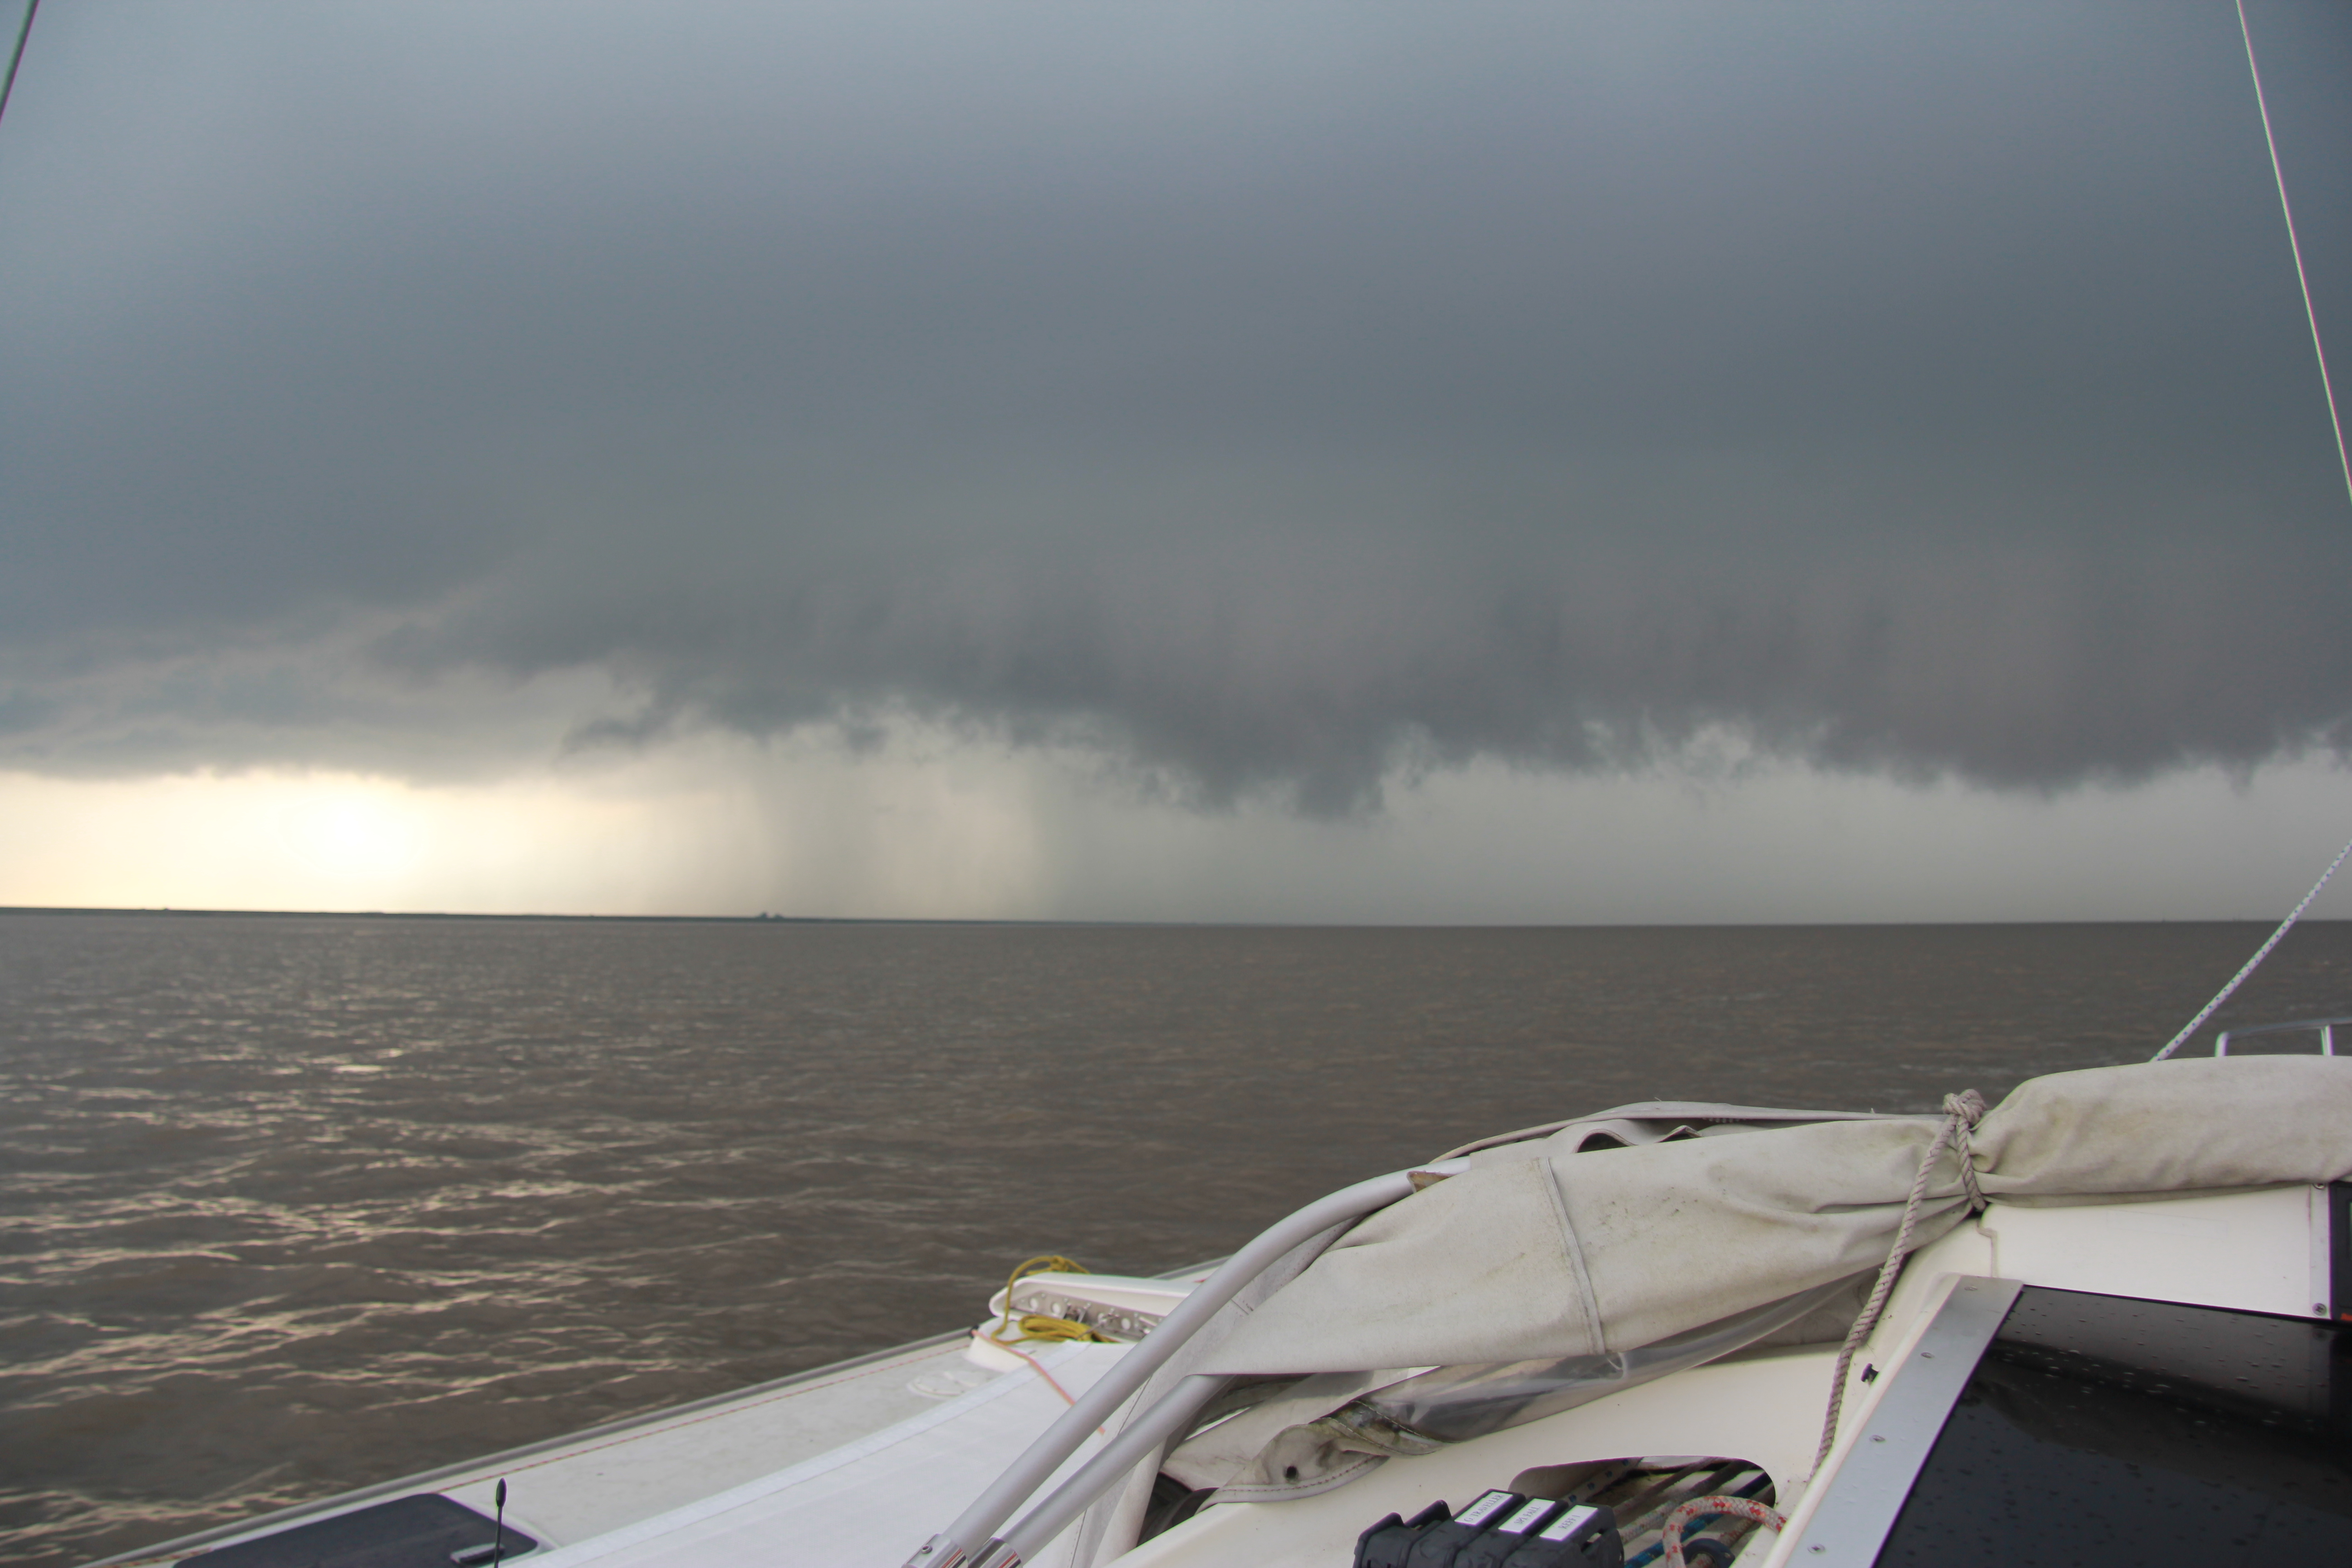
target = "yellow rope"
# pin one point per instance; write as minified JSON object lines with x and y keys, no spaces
{"x":1037,"y":1325}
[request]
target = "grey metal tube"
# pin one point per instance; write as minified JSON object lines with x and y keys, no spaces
{"x":981,"y":1522}
{"x":1139,"y":1438}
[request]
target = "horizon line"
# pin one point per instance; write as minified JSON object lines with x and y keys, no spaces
{"x":766,"y":918}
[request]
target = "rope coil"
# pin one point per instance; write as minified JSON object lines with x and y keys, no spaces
{"x":1042,"y":1326}
{"x":1680,"y":1519}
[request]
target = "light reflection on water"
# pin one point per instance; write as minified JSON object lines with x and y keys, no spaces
{"x":297,"y":1205}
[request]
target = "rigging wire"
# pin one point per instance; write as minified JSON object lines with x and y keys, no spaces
{"x":2336,"y":423}
{"x":2294,"y":244}
{"x":2260,"y":953}
{"x":16,"y":57}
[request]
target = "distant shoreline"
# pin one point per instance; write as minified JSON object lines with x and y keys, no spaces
{"x":431,"y":915}
{"x":774,"y":920}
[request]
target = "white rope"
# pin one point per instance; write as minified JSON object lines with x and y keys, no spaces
{"x":2260,"y":953}
{"x":1962,"y":1111}
{"x":2295,"y":245}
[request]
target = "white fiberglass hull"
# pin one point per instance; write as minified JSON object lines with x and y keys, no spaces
{"x":863,"y":1463}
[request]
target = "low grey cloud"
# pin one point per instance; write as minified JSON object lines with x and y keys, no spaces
{"x":1273,"y":399}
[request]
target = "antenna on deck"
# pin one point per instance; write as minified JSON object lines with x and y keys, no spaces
{"x":499,"y":1536}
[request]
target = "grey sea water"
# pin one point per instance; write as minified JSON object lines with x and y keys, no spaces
{"x":293,"y":1205}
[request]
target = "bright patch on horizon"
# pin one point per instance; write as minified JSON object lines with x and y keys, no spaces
{"x":926,"y":826}
{"x":351,"y":832}
{"x":348,"y":842}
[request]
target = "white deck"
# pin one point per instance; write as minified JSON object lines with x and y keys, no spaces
{"x":634,"y":1475}
{"x":897,"y":1433}
{"x":875,"y":1499}
{"x":858,"y":1466}
{"x":867,"y":1501}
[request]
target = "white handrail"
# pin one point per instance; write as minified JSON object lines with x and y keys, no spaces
{"x":974,"y":1531}
{"x":2326,"y":1027}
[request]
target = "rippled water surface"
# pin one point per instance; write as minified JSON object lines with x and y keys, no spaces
{"x":293,"y":1205}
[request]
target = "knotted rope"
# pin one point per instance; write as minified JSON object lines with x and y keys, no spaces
{"x":1963,"y":1111}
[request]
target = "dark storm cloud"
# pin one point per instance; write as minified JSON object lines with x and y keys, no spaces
{"x":1275,"y":396}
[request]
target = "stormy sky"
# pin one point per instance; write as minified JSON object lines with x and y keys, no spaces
{"x":1321,"y":462}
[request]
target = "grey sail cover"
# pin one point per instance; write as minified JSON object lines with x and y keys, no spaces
{"x":1552,"y":1247}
